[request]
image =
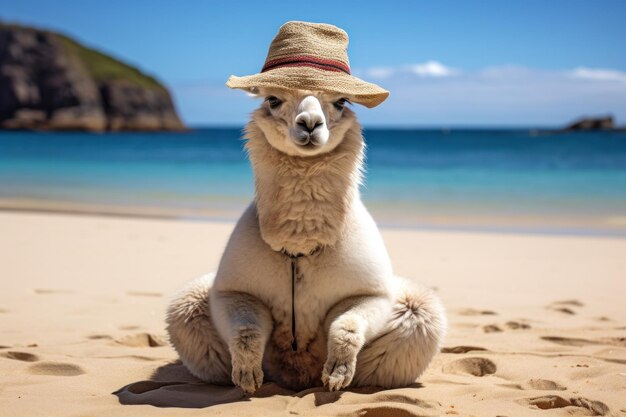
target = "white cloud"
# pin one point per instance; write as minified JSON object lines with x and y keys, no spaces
{"x":428,"y":69}
{"x":380,"y":72}
{"x":598,"y":74}
{"x":433,"y":69}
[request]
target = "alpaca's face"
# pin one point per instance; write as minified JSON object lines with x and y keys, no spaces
{"x":303,"y":123}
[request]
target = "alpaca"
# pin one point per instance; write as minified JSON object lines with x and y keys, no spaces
{"x":304,"y":294}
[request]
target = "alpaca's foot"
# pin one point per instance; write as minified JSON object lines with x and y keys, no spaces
{"x":345,"y":342}
{"x":338,"y":374}
{"x":249,"y":377}
{"x":247,"y":356}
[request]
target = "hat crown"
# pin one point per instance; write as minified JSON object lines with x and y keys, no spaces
{"x":319,"y":41}
{"x":314,"y":57}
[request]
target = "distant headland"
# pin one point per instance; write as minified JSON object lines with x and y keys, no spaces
{"x":49,"y":81}
{"x":593,"y":124}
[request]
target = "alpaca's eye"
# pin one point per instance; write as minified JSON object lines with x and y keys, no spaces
{"x":339,"y":104}
{"x":273,"y":102}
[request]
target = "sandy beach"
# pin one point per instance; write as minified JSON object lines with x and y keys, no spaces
{"x":537,"y":323}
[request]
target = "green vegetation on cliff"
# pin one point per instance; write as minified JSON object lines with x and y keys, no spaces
{"x":105,"y":68}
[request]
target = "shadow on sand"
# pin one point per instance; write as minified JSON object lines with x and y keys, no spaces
{"x":172,"y":385}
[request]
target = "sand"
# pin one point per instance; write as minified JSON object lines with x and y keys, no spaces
{"x":538,"y":323}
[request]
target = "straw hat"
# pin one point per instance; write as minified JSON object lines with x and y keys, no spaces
{"x":311,"y":56}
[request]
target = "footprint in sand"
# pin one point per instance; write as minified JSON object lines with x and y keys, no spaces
{"x":144,"y":294}
{"x":129,"y":327}
{"x":20,"y":356}
{"x":573,"y":303}
{"x":548,"y":402}
{"x":564,"y":310}
{"x":542,"y":385}
{"x":392,"y":410}
{"x":512,"y":325}
{"x":46,"y":291}
{"x":386,"y":396}
{"x":56,"y":369}
{"x":569,"y":341}
{"x":461,"y":349}
{"x":565,"y":306}
{"x":516,"y":325}
{"x":573,"y":341}
{"x":475,"y":312}
{"x":491,"y":328}
{"x":470,"y":366}
{"x":99,"y":337}
{"x":142,"y":340}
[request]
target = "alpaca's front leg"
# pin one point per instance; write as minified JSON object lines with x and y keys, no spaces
{"x":245,"y":323}
{"x":351,"y":324}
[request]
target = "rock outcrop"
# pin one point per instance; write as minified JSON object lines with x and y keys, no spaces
{"x":50,"y":82}
{"x":590,"y":123}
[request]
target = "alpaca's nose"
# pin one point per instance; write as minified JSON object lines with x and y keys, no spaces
{"x":310,"y":124}
{"x":309,"y":121}
{"x":310,"y":115}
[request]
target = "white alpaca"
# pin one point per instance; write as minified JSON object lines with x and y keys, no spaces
{"x":353,"y":322}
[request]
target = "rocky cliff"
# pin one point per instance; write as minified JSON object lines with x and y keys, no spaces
{"x":51,"y":82}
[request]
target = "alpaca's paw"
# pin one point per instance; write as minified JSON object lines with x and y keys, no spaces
{"x":246,"y":352}
{"x":338,"y":373}
{"x":345,"y":341}
{"x":248,"y":377}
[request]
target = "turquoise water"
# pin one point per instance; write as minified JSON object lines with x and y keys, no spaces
{"x":507,"y":179}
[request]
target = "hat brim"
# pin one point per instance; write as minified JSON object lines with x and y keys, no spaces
{"x":306,"y":78}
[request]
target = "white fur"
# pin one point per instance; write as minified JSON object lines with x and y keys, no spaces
{"x":357,"y":323}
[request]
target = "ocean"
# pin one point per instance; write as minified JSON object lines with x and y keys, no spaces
{"x":460,"y":179}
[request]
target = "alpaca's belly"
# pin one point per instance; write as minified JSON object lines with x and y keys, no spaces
{"x":298,"y":369}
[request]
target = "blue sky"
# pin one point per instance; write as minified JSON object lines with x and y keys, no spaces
{"x":446,"y":63}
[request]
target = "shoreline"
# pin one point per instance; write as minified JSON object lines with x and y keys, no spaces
{"x":525,"y":225}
